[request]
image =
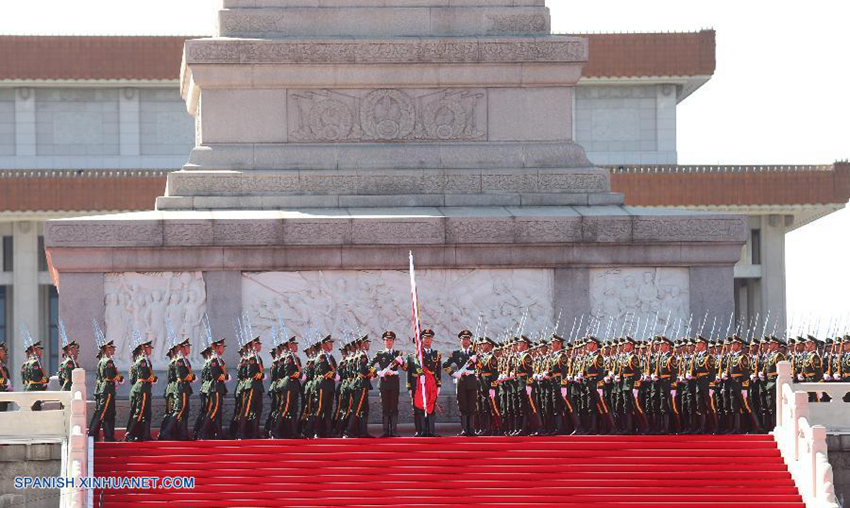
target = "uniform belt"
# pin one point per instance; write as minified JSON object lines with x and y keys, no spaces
{"x":628,"y":375}
{"x":664,"y":376}
{"x":736,"y":375}
{"x":702,"y":374}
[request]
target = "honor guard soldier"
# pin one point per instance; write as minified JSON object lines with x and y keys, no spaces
{"x":275,"y":384}
{"x":252,"y":391}
{"x":487,"y":371}
{"x":290,"y":392}
{"x":529,"y":419}
{"x":362,"y":372}
{"x":811,"y":365}
{"x":344,"y":393}
{"x":387,"y":362}
{"x":178,"y":394}
{"x":700,"y":375}
{"x":768,"y":376}
{"x":241,"y":375}
{"x":205,"y":378}
{"x":626,"y":375}
{"x":736,"y":377}
{"x":142,"y":379}
{"x":461,"y":366}
{"x":215,"y":389}
{"x":327,"y":376}
{"x":663,"y":372}
{"x":5,"y":381}
{"x":32,"y":372}
{"x":429,"y":371}
{"x":69,"y":359}
{"x":104,"y":394}
{"x":591,"y":375}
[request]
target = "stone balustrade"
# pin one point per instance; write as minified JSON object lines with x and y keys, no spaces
{"x":63,"y":417}
{"x":800,"y":434}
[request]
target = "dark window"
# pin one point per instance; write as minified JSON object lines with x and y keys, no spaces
{"x":7,"y":254}
{"x":42,"y":258}
{"x":755,"y":244}
{"x":53,"y":327}
{"x":2,"y":313}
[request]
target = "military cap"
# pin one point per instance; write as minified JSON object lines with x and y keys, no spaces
{"x":464,"y":333}
{"x":774,"y":338}
{"x":292,"y":340}
{"x":328,"y":338}
{"x":219,"y":342}
{"x":427,"y":332}
{"x":73,"y":343}
{"x":488,"y":340}
{"x":389,"y":334}
{"x":811,"y":338}
{"x":593,"y":339}
{"x":556,"y":337}
{"x":525,"y":339}
{"x":3,"y":346}
{"x":736,"y":338}
{"x":828,"y":342}
{"x":700,"y":338}
{"x":627,"y":340}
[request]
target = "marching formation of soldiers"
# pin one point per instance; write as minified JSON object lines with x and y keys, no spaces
{"x":517,"y":386}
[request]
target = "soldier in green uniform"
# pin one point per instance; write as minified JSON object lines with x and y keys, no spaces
{"x":461,"y":366}
{"x":736,"y":378}
{"x":69,"y":359}
{"x":386,"y":363}
{"x":32,"y":372}
{"x":811,"y":366}
{"x":592,"y":378}
{"x":307,"y":421}
{"x":275,"y":384}
{"x":326,"y":376}
{"x":178,"y":394}
{"x":205,"y":378}
{"x":425,"y":418}
{"x":558,"y":372}
{"x":700,"y":374}
{"x":663,"y":372}
{"x":252,"y":391}
{"x":768,"y":375}
{"x":104,"y":393}
{"x":290,"y":391}
{"x":215,"y":389}
{"x":241,"y":374}
{"x":344,"y":393}
{"x":627,"y":373}
{"x":142,"y":379}
{"x":361,"y":371}
{"x":487,"y":372}
{"x":5,"y":381}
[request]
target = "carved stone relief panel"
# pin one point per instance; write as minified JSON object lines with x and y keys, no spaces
{"x":640,"y":300}
{"x":145,"y":302}
{"x":386,"y":115}
{"x":374,"y":301}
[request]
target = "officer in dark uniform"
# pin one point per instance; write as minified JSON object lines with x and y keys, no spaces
{"x":736,"y":383}
{"x":461,"y":366}
{"x":487,"y":372}
{"x":327,"y":376}
{"x":104,"y":393}
{"x":215,"y":389}
{"x":768,"y":376}
{"x":252,"y":394}
{"x":386,"y":364}
{"x":142,"y":379}
{"x":361,"y":373}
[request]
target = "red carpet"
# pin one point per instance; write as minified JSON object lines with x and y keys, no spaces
{"x":602,"y":471}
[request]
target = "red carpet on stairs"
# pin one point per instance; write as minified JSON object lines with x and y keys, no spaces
{"x":598,"y":471}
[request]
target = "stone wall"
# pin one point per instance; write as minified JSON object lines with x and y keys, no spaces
{"x":33,"y":459}
{"x":838,"y":452}
{"x":7,"y":121}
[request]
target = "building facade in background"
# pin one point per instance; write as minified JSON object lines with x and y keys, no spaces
{"x":91,"y":125}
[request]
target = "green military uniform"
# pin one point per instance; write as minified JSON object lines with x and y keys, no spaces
{"x":104,"y":394}
{"x":251,"y":383}
{"x":175,"y":425}
{"x":768,"y":375}
{"x":241,"y":374}
{"x":326,"y":377}
{"x":289,"y":393}
{"x":627,"y":374}
{"x":142,"y":379}
{"x":592,"y":374}
{"x":425,"y":423}
{"x":360,"y":372}
{"x":214,"y":389}
{"x":487,"y":372}
{"x":66,"y":368}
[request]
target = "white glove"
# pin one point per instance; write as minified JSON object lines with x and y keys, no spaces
{"x":438,"y":391}
{"x":264,"y":375}
{"x":457,"y":375}
{"x":654,"y":377}
{"x":501,"y":377}
{"x":617,"y":378}
{"x":227,"y":377}
{"x":579,"y":378}
{"x":473,"y":358}
{"x":799,"y":377}
{"x":399,"y":359}
{"x":761,"y":376}
{"x":303,"y":377}
{"x":382,"y":373}
{"x":121,"y":382}
{"x":635,"y":392}
{"x":607,"y":380}
{"x":711,"y":392}
{"x":673,"y":393}
{"x":744,"y":393}
{"x":564,"y":392}
{"x":752,"y":377}
{"x":725,"y":376}
{"x":336,"y":378}
{"x":827,"y":377}
{"x":528,"y":389}
{"x":454,"y":381}
{"x":599,"y":391}
{"x":492,"y":393}
{"x":688,"y":376}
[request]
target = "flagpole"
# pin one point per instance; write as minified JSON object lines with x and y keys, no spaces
{"x":417,"y":332}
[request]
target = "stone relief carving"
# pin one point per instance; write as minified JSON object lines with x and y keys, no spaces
{"x":519,"y":49}
{"x":386,"y":115}
{"x":145,"y":301}
{"x":70,"y":235}
{"x":373,"y":301}
{"x":640,"y":298}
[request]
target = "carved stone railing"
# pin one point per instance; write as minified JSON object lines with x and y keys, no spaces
{"x":62,"y":418}
{"x":802,"y":443}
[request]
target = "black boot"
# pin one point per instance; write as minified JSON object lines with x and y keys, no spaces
{"x":432,"y":425}
{"x":385,"y":426}
{"x":109,"y":431}
{"x":417,"y":423}
{"x":394,"y":426}
{"x":363,"y":430}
